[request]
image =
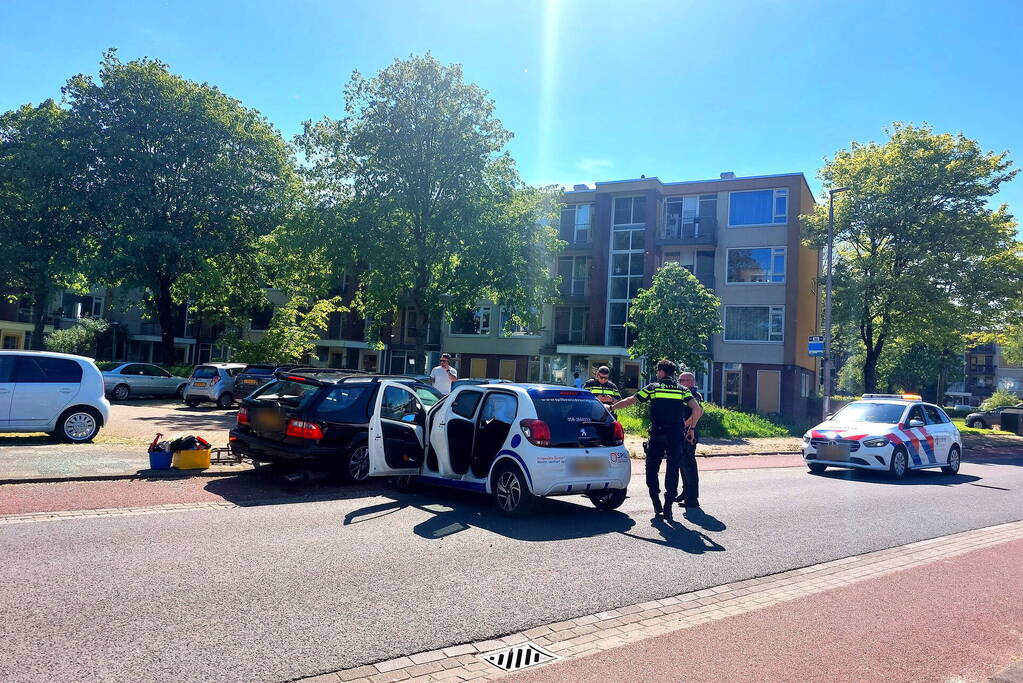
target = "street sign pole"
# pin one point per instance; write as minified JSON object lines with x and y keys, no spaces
{"x":827,"y":300}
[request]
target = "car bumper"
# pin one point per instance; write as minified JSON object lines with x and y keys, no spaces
{"x":861,"y":459}
{"x":265,"y":450}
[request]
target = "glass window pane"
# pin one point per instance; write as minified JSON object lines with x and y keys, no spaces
{"x":620,"y":264}
{"x":780,"y":209}
{"x":636,"y":264}
{"x":748,"y":265}
{"x":621,"y":241}
{"x":634,"y":285}
{"x":582,"y":215}
{"x":617,"y":314}
{"x":616,"y":336}
{"x":623,"y":210}
{"x":746,"y":323}
{"x":637,"y":239}
{"x":751,"y":208}
{"x":639,"y":210}
{"x":619,"y":288}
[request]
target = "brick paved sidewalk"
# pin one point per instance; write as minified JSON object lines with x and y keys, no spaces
{"x":592,"y":633}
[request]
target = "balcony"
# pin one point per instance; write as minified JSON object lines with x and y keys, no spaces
{"x":703,"y":230}
{"x":988,"y":369}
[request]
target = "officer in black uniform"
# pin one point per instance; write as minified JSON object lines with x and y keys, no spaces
{"x":668,"y":402}
{"x":602,"y":387}
{"x":690,"y":496}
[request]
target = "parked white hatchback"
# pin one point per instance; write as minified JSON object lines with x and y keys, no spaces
{"x":55,"y":393}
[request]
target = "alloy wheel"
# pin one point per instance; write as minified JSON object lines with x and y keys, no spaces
{"x":509,"y":491}
{"x":121,"y":392}
{"x":358,"y":464}
{"x":80,"y":426}
{"x":900,"y":464}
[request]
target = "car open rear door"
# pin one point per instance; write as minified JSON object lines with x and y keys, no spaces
{"x":396,"y":431}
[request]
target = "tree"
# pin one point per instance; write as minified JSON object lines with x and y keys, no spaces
{"x":80,"y":338}
{"x":44,"y":235}
{"x":292,"y":333}
{"x":182,"y":182}
{"x":442,"y":218}
{"x":674,"y":318}
{"x":920,"y":253}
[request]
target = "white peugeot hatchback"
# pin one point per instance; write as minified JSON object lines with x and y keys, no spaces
{"x":55,"y":393}
{"x":892,"y":432}
{"x":516,"y":442}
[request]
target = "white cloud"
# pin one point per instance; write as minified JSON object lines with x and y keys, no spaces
{"x":594,"y":165}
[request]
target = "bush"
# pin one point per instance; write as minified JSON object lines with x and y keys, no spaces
{"x":181,"y":370}
{"x":1000,"y":398}
{"x":716,"y":422}
{"x":79,"y":339}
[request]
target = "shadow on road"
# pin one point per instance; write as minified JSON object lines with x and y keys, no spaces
{"x":452,"y":512}
{"x":256,"y":488}
{"x":912,"y":478}
{"x":701,"y":519}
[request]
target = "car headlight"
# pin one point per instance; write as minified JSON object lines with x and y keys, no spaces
{"x":806,"y":439}
{"x":876,"y":442}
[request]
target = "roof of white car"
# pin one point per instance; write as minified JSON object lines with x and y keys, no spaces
{"x":47,"y":354}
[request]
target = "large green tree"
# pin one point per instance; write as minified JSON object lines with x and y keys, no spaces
{"x":674,"y":318}
{"x":45,"y":240}
{"x":920,"y":252}
{"x":442,"y":218}
{"x":182,"y":183}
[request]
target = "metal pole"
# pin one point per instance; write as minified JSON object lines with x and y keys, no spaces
{"x":827,"y":300}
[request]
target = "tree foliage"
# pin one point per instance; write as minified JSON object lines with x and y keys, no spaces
{"x":999,"y":399}
{"x":45,"y":239}
{"x":182,"y":182}
{"x":292,"y":334}
{"x":79,"y":339}
{"x":921,"y":255}
{"x":674,"y":318}
{"x":442,"y":218}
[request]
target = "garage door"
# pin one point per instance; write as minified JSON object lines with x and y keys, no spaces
{"x":508,"y":370}
{"x":478,"y":367}
{"x":768,"y":391}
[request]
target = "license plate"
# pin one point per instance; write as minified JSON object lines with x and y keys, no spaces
{"x":248,"y":381}
{"x":836,"y":452}
{"x":588,"y":466}
{"x":200,"y":384}
{"x":269,"y":422}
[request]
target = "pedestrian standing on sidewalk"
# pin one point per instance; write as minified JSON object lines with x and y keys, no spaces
{"x":690,"y":496}
{"x":603,"y":388}
{"x":668,"y":402}
{"x":443,"y":375}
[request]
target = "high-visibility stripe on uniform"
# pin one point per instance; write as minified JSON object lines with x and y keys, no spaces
{"x":603,"y":391}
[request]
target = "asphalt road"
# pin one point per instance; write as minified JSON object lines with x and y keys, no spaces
{"x":276,"y":592}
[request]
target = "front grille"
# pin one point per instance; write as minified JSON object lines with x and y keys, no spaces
{"x":852,"y":444}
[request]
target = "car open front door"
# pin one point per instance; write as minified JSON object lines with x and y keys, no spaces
{"x":396,"y":431}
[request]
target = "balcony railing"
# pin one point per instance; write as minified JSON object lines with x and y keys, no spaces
{"x":703,"y":230}
{"x":981,"y":369}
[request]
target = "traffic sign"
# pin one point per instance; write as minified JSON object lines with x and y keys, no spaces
{"x":815,"y":345}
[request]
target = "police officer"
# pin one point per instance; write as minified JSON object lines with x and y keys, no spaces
{"x":668,"y":402}
{"x":602,"y":387}
{"x":690,"y":496}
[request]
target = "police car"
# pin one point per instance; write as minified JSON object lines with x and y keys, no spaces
{"x":515,"y":442}
{"x":891,"y":432}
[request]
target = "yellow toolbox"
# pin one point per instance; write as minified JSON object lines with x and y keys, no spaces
{"x":192,"y":460}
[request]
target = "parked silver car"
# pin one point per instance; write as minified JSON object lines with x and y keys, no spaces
{"x":213,"y":382}
{"x":134,"y":379}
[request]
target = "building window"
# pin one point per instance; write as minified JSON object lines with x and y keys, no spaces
{"x":763,"y":265}
{"x":570,"y":324}
{"x":754,"y":323}
{"x":261,"y":317}
{"x":758,"y":207}
{"x":625,"y":272}
{"x":576,"y":222}
{"x":474,"y":322}
{"x":689,"y":216}
{"x":510,"y":330}
{"x":804,"y":385}
{"x":575,"y":275}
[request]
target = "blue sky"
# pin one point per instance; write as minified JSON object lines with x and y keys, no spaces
{"x":593,"y":90}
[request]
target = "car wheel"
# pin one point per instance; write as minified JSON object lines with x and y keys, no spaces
{"x":899,"y":465}
{"x":954,"y":460}
{"x":607,"y":500}
{"x":816,"y":467}
{"x":511,"y":492}
{"x":180,"y":393}
{"x":225,"y":401}
{"x":78,"y":425}
{"x":120,"y":392}
{"x":355,"y":464}
{"x":977,"y":424}
{"x":191,"y":402}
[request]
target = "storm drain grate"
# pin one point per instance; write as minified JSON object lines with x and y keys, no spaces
{"x":518,"y":657}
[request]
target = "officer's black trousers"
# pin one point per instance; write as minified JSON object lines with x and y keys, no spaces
{"x":690,"y":473}
{"x":664,"y":444}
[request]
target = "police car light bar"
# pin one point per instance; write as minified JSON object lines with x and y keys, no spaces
{"x":904,"y":397}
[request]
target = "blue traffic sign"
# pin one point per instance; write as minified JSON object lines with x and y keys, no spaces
{"x":815,"y":345}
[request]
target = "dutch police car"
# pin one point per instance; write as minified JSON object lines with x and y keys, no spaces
{"x":515,"y":442}
{"x":890,"y":432}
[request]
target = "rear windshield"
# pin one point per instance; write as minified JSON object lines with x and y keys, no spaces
{"x":204,"y":372}
{"x":258,"y":370}
{"x":345,"y":403}
{"x":885,"y":413}
{"x":285,"y":392}
{"x":574,"y":420}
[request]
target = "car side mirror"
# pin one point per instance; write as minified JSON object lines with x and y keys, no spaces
{"x":916,"y":423}
{"x":828,"y":417}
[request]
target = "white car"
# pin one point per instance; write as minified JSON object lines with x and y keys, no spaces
{"x":55,"y":393}
{"x":890,"y":432}
{"x":516,"y":442}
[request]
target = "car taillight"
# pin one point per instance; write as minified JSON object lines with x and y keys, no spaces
{"x":619,"y":434}
{"x":243,"y":415}
{"x":536,"y":432}
{"x":304,"y":430}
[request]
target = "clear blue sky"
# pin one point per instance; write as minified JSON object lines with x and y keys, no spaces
{"x":593,"y":90}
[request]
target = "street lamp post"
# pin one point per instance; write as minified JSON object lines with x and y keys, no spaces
{"x":827,"y":299}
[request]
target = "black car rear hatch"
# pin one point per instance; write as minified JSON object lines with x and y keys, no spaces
{"x":269,"y":408}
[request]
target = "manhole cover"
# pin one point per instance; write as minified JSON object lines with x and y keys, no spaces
{"x":518,"y":657}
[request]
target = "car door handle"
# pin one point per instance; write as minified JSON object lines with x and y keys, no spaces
{"x":5,"y":391}
{"x":65,"y":391}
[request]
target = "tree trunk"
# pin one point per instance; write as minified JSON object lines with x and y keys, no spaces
{"x":40,"y":302}
{"x":870,"y":371}
{"x":166,"y":317}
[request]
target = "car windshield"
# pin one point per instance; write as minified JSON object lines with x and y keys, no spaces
{"x":204,"y":372}
{"x":886,"y":413}
{"x":258,"y":370}
{"x":285,"y":391}
{"x":574,"y":420}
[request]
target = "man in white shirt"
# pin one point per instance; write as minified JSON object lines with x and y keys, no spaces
{"x":443,"y":375}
